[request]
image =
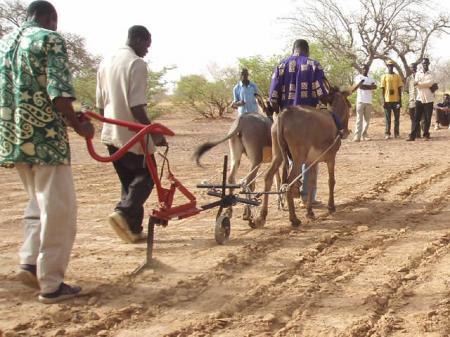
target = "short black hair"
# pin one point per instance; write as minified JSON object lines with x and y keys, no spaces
{"x":244,"y":70}
{"x":301,"y":44}
{"x":426,"y":60}
{"x":138,"y":33}
{"x":40,"y":8}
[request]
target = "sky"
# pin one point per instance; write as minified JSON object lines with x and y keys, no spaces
{"x":192,"y":34}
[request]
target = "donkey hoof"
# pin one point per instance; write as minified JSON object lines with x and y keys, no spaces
{"x":296,"y":223}
{"x":310,"y":215}
{"x":331,"y":209}
{"x":247,"y":214}
{"x":258,"y":222}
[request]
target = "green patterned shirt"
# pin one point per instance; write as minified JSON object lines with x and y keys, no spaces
{"x":33,"y":72}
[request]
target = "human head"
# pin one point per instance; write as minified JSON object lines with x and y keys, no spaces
{"x":446,"y":97}
{"x":365,"y":69}
{"x":244,"y":75}
{"x":390,"y":65}
{"x":43,"y":13}
{"x":301,"y":46}
{"x":425,"y":64}
{"x":413,"y":67}
{"x":139,"y":39}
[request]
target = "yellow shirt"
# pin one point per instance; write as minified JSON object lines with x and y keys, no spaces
{"x":391,"y":83}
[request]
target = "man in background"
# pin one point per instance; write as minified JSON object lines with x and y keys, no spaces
{"x":391,"y":85}
{"x":244,"y":94}
{"x":424,"y":81}
{"x":411,"y":90}
{"x":364,"y":86}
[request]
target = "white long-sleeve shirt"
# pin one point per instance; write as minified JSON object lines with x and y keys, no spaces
{"x":424,"y":82}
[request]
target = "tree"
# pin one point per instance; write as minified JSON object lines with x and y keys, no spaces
{"x":395,"y":30}
{"x":157,"y":90}
{"x":210,"y":99}
{"x":85,"y":85}
{"x":441,"y":69}
{"x":261,"y":70}
{"x":13,"y":13}
{"x":338,"y":69}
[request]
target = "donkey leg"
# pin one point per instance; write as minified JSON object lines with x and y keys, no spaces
{"x":236,"y":150}
{"x":295,"y":169}
{"x":331,"y":183}
{"x":254,"y":152}
{"x":268,"y":180}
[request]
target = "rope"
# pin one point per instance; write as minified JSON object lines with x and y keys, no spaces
{"x":165,"y":160}
{"x":242,"y":181}
{"x":257,"y":176}
{"x":285,"y":187}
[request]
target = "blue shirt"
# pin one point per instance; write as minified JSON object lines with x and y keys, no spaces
{"x":246,"y":94}
{"x":297,"y":80}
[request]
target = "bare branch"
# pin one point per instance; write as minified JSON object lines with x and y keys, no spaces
{"x":399,"y":30}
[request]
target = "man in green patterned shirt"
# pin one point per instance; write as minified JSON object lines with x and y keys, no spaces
{"x":36,"y":95}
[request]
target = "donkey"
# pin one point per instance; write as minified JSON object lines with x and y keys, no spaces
{"x":305,"y":133}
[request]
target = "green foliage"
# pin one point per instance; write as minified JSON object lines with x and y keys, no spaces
{"x":157,"y":91}
{"x":377,"y":93}
{"x":210,"y":99}
{"x":261,"y":70}
{"x":85,"y":84}
{"x":338,"y":70}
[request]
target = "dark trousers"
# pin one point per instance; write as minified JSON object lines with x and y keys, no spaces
{"x":442,"y":117}
{"x":390,"y":107}
{"x":424,"y":110}
{"x":412,"y":112}
{"x":137,"y":184}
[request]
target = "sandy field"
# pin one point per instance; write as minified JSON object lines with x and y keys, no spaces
{"x":379,"y":266}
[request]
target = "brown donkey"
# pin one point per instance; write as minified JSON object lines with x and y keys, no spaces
{"x":305,"y":133}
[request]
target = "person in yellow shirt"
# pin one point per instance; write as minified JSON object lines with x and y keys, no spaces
{"x":391,"y":85}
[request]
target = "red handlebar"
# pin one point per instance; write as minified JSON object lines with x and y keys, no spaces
{"x":141,"y":131}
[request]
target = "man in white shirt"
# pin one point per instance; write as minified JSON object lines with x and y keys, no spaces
{"x":364,"y":85}
{"x":411,"y":90}
{"x":425,"y":83}
{"x":122,"y":94}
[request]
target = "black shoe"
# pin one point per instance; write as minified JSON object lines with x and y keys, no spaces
{"x":64,"y":292}
{"x":410,"y":139}
{"x":27,"y":275}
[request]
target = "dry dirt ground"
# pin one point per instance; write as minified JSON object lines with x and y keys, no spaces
{"x":379,"y":266}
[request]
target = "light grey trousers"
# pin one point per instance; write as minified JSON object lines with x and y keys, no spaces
{"x":49,"y":221}
{"x":363,"y":114}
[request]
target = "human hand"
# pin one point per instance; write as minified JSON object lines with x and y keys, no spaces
{"x":159,"y":140}
{"x":85,"y":129}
